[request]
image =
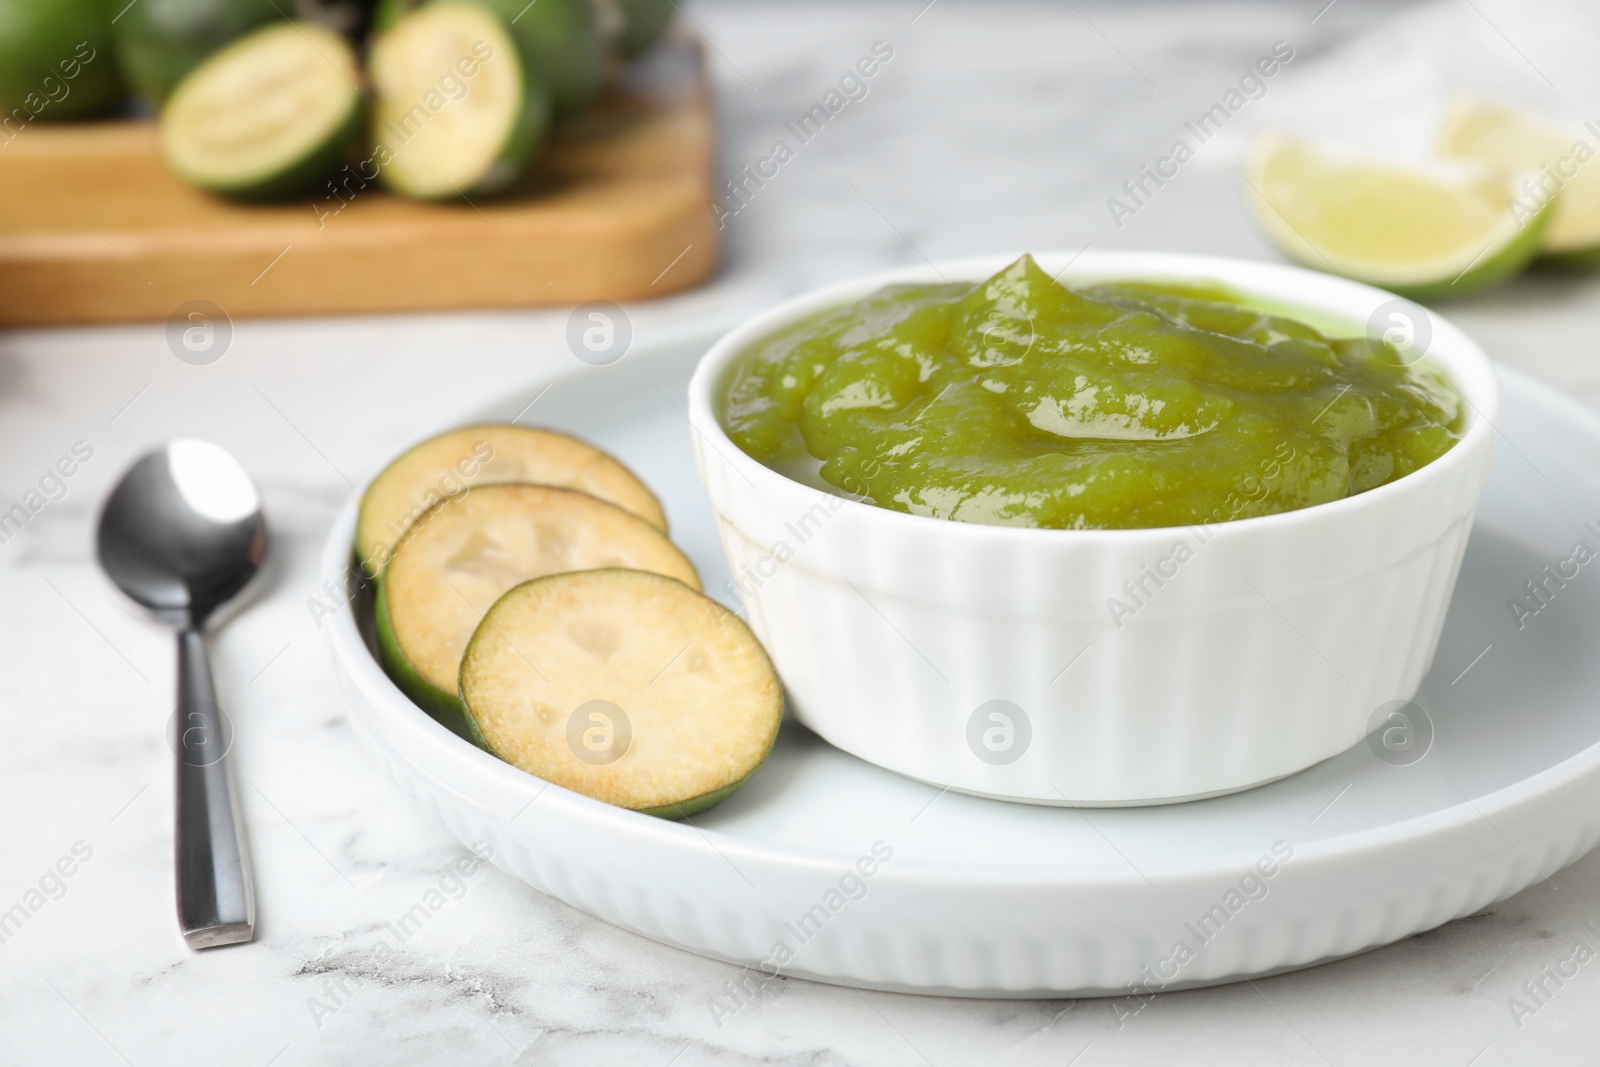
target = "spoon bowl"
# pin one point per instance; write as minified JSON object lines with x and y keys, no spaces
{"x":182,"y":533}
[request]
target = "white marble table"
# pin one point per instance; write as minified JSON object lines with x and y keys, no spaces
{"x":993,"y":127}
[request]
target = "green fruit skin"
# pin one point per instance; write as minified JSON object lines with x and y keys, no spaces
{"x":671,"y":812}
{"x":646,"y":21}
{"x":388,"y":12}
{"x":561,"y":46}
{"x":522,"y":144}
{"x":160,"y":41}
{"x":446,"y":708}
{"x":1584,"y":259}
{"x":349,"y":17}
{"x":49,"y":39}
{"x":695,"y":805}
{"x":305,"y":176}
{"x":1508,"y":262}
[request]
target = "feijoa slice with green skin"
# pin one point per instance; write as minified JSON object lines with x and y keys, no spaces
{"x":268,"y":116}
{"x":160,"y":41}
{"x":489,"y":454}
{"x":627,"y":687}
{"x":462,"y":555}
{"x":56,"y":61}
{"x":457,"y":112}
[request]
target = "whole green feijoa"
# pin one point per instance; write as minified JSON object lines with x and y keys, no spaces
{"x":159,"y":41}
{"x":644,"y":21}
{"x":55,"y":62}
{"x":562,"y":46}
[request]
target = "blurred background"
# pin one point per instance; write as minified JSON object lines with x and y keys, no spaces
{"x":994,"y":127}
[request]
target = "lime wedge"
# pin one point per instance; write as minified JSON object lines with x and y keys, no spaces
{"x":1512,"y":139}
{"x":1426,"y":233}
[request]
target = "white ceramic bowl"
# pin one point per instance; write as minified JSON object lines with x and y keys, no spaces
{"x":987,"y":659}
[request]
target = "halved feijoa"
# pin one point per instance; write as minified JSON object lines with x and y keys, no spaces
{"x":468,"y":550}
{"x":562,"y":43}
{"x":269,"y":115}
{"x":491,"y":454}
{"x":624,"y":686}
{"x":457,"y":112}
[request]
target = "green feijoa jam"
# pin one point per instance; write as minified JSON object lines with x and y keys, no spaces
{"x":1023,"y":401}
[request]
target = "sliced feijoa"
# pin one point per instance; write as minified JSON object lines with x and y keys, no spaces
{"x":456,"y":112}
{"x":624,"y":686}
{"x":269,"y":115}
{"x":468,"y":550}
{"x":491,"y":454}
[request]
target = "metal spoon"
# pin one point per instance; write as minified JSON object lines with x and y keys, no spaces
{"x":181,"y":534}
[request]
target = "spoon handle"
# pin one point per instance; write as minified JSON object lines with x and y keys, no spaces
{"x":216,"y":904}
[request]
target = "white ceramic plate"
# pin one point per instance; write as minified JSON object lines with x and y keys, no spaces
{"x":981,"y":897}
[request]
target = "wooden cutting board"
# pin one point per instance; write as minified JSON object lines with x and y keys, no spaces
{"x":93,"y":228}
